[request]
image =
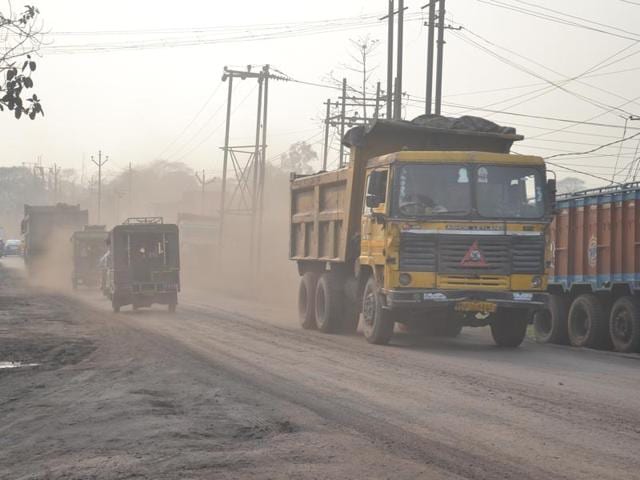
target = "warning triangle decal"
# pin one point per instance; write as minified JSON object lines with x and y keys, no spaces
{"x":474,"y":257}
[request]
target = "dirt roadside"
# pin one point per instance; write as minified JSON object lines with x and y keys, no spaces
{"x":111,"y":401}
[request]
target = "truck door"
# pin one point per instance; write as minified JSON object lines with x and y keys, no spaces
{"x":374,"y":206}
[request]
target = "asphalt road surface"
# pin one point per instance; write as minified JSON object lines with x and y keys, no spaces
{"x":228,"y":388}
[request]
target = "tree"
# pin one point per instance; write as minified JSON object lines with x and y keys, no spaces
{"x":360,"y":52}
{"x":363,"y":47}
{"x":298,"y":159}
{"x":570,"y":185}
{"x":22,"y":37}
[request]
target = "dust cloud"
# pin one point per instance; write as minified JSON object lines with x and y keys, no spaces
{"x":224,"y":265}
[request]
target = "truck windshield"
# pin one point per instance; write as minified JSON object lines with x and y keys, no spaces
{"x":487,"y":191}
{"x":509,"y":192}
{"x":425,"y":190}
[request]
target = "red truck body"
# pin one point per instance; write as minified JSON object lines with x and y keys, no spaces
{"x":594,"y":260}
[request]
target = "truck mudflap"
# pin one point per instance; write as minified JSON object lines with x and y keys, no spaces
{"x":465,"y":300}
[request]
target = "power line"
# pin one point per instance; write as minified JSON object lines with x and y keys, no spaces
{"x":581,"y":172}
{"x":555,"y":19}
{"x":195,"y":117}
{"x":558,"y":85}
{"x":594,"y":149}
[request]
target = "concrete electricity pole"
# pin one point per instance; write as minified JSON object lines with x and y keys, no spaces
{"x":203,"y":183}
{"x":100,"y":163}
{"x":55,"y":170}
{"x":130,"y":190}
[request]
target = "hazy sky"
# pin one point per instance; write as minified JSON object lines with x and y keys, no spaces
{"x":134,"y":103}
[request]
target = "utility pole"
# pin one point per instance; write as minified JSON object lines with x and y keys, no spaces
{"x":430,"y":38}
{"x":441,"y":13}
{"x":247,"y":195}
{"x":54,"y":171}
{"x":100,"y":163}
{"x":203,"y":184}
{"x":130,"y":190}
{"x":390,"y":59}
{"x":342,"y":121}
{"x":226,"y":155}
{"x":376,"y":113}
{"x":398,"y":100}
{"x":325,"y":152}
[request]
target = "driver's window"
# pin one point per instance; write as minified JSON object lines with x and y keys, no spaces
{"x":375,"y":184}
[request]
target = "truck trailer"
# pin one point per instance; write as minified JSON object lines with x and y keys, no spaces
{"x":594,"y":281}
{"x":432,"y":224}
{"x":44,"y":224}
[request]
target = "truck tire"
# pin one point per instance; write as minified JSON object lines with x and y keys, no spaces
{"x":307,"y":300}
{"x":115,"y":306}
{"x":587,"y":323}
{"x":550,"y":326}
{"x":377,"y":323}
{"x":624,"y":325}
{"x":509,"y":328}
{"x":329,"y":303}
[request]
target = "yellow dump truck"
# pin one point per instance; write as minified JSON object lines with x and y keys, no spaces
{"x":432,"y":224}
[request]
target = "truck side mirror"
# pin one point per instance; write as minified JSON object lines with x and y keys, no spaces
{"x":373,"y":200}
{"x":551,"y":194}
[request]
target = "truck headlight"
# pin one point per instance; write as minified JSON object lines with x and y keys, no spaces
{"x":536,"y":282}
{"x":405,"y":279}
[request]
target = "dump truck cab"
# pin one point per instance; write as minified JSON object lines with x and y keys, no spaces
{"x":89,"y":246}
{"x":464,"y":229}
{"x":433,"y":227}
{"x":143,"y":264}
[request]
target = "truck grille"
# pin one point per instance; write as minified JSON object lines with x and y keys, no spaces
{"x":503,"y":254}
{"x":527,"y":255}
{"x":453,"y":248}
{"x":417,"y":252}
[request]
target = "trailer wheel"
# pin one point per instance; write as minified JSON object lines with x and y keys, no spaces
{"x":307,"y":300}
{"x":509,"y":328}
{"x":377,"y":323}
{"x":587,"y":322}
{"x":624,"y":325}
{"x":329,"y":303}
{"x":550,"y":325}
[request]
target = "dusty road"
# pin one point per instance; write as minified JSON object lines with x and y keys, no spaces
{"x":228,"y":389}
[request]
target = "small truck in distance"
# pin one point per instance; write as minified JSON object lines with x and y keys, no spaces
{"x":89,"y":246}
{"x":432,"y":224}
{"x":142,"y":266}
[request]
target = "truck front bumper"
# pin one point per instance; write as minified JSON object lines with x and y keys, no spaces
{"x":433,"y":298}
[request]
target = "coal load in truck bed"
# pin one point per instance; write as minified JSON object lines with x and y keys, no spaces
{"x":433,"y":132}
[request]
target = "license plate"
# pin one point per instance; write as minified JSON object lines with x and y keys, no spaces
{"x":470,"y":306}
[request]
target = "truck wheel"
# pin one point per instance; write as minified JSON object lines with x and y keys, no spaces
{"x":329,"y":303}
{"x":587,"y":322}
{"x":624,"y":325}
{"x":115,"y":306}
{"x":377,"y":323}
{"x":307,"y":300}
{"x":509,"y":328}
{"x":550,"y":326}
